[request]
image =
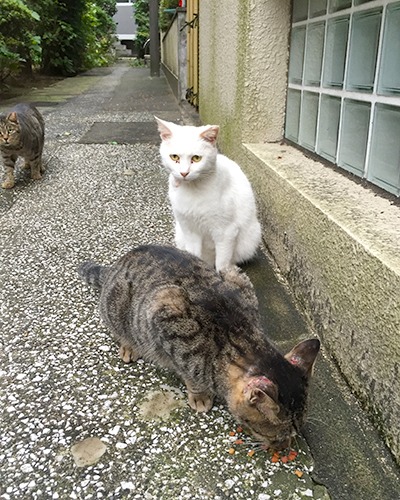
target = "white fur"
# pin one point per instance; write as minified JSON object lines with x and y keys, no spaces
{"x":213,"y":202}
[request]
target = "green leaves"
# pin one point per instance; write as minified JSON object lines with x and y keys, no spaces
{"x":58,"y":36}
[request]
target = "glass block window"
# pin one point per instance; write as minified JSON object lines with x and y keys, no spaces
{"x":344,"y":85}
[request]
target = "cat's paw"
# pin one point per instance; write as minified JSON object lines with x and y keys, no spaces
{"x":9,"y":183}
{"x":127,"y":354}
{"x":36,"y":176}
{"x":200,"y":402}
{"x":26,"y":165}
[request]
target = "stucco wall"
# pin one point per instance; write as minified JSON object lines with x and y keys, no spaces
{"x":337,"y":242}
{"x":243,"y":68}
{"x":219,"y":53}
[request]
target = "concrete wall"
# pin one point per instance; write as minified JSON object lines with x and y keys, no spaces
{"x":173,"y":54}
{"x":169,"y":44}
{"x":337,"y":242}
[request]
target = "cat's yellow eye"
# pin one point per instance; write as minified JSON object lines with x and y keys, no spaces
{"x":196,"y":158}
{"x":11,"y":130}
{"x":175,"y":158}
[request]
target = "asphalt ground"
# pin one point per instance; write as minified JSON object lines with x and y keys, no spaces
{"x":77,"y":422}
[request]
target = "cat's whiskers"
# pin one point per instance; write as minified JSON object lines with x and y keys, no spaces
{"x":315,"y":420}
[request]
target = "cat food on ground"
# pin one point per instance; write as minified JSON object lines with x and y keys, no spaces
{"x":285,"y":459}
{"x":251,"y":453}
{"x":231,"y":451}
{"x":239,"y":429}
{"x":298,"y":473}
{"x":239,"y":441}
{"x":232,"y":433}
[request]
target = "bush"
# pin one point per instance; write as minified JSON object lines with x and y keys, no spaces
{"x":10,"y":63}
{"x":72,"y":35}
{"x":166,"y":17}
{"x":19,"y":44}
{"x":99,"y":29}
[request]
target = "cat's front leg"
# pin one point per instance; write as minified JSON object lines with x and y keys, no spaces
{"x":224,"y":249}
{"x":9,"y":179}
{"x":9,"y":163}
{"x":199,"y":399}
{"x":128,"y":354}
{"x":187,"y":240}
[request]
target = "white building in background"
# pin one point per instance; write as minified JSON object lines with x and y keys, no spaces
{"x":126,"y":26}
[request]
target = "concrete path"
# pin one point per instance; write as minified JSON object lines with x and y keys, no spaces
{"x":78,"y":423}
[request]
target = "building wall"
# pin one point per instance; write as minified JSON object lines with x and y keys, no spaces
{"x":243,"y":68}
{"x":126,"y":26}
{"x":336,"y":241}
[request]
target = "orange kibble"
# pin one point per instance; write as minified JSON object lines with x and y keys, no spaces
{"x":274,"y":459}
{"x":251,"y":453}
{"x":291,"y":457}
{"x":285,"y":459}
{"x":231,"y":451}
{"x":232,"y":433}
{"x":239,"y":429}
{"x":239,"y":441}
{"x":293,"y":452}
{"x":276,"y":454}
{"x":298,"y":473}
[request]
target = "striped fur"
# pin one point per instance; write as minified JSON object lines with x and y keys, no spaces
{"x":21,"y":134}
{"x":170,"y":307}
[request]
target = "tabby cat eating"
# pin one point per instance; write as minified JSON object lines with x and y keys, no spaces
{"x":169,"y":307}
{"x":212,"y":199}
{"x":21,"y":134}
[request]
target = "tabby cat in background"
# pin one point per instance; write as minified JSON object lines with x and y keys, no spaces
{"x":21,"y":134}
{"x":212,"y":199}
{"x":173,"y":309}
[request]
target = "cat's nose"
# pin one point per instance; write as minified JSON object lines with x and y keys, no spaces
{"x":184,"y":174}
{"x":281,"y":444}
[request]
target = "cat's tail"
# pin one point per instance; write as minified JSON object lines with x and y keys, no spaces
{"x":92,"y":274}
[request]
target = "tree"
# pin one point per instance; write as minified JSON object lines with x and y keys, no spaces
{"x":165,"y":17}
{"x":142,"y":20}
{"x":19,"y":43}
{"x":58,"y":36}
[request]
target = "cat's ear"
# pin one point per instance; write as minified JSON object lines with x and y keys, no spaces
{"x":304,"y":355}
{"x":265,"y":403}
{"x":262,"y":393}
{"x":165,"y":131}
{"x":12,"y":117}
{"x":210,"y":134}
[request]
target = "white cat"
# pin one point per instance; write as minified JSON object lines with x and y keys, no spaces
{"x":212,"y":200}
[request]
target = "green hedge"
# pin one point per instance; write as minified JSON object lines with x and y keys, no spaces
{"x":56,"y":36}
